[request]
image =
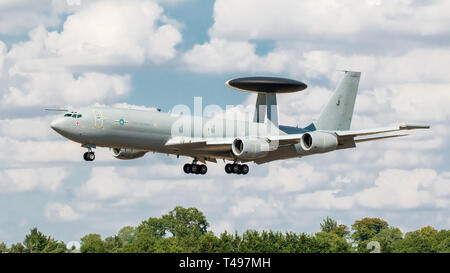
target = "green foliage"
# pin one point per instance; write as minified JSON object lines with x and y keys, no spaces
{"x":329,"y":242}
{"x":92,"y":243}
{"x":386,"y":237}
{"x":183,"y":222}
{"x":17,"y":248}
{"x":54,"y":246}
{"x":330,"y":225}
{"x":184,"y":230}
{"x":154,"y":227}
{"x":126,"y":235}
{"x":364,"y":230}
{"x":419,"y":241}
{"x":441,"y":242}
{"x":35,"y":241}
{"x":3,"y":248}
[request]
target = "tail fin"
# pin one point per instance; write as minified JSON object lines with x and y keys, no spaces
{"x":337,"y":114}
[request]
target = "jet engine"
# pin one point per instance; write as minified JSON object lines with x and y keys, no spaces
{"x":126,"y":154}
{"x":316,"y":142}
{"x":249,"y":149}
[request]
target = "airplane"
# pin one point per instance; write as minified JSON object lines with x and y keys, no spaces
{"x":130,"y":133}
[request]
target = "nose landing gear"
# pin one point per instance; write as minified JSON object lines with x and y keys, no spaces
{"x":237,"y":168}
{"x":89,"y":155}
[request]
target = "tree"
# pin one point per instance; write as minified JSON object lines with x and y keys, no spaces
{"x":328,"y":225}
{"x":154,"y":227}
{"x":418,"y":241}
{"x":329,"y":242}
{"x":365,"y":229}
{"x":183,"y":222}
{"x":209,"y":243}
{"x":3,"y":248}
{"x":112,"y":244}
{"x":229,"y":243}
{"x":441,"y":242}
{"x":386,"y":237}
{"x":36,"y":241}
{"x":92,"y":243}
{"x":126,"y":235}
{"x":54,"y":246}
{"x":17,"y":248}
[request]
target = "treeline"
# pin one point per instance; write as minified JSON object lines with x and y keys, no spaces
{"x":185,"y":230}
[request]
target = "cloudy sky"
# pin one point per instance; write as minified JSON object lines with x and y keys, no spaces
{"x":163,"y":53}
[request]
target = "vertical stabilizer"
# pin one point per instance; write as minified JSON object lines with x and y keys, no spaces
{"x":337,"y":114}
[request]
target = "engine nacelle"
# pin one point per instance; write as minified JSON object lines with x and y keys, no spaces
{"x":126,"y":154}
{"x":249,"y":149}
{"x":316,"y":142}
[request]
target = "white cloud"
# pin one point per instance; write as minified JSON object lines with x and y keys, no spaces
{"x":2,"y":57}
{"x":61,"y":212}
{"x":19,"y":16}
{"x":232,"y":56}
{"x":325,"y":199}
{"x":393,"y":189}
{"x":255,"y":207}
{"x":291,"y":19}
{"x":36,"y":128}
{"x":399,"y":189}
{"x":124,"y":32}
{"x":20,"y":180}
{"x":289,"y":176}
{"x":61,"y":68}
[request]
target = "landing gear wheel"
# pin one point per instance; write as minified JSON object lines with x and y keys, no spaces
{"x":194,"y":168}
{"x":89,"y":156}
{"x":203,"y":169}
{"x":244,"y":169}
{"x":187,"y":168}
{"x":229,"y":168}
{"x":236,"y":168}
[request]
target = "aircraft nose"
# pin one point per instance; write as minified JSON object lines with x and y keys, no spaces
{"x":57,"y":125}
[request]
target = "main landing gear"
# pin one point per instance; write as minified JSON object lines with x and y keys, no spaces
{"x":236,"y":168}
{"x":195,"y":168}
{"x":89,"y":155}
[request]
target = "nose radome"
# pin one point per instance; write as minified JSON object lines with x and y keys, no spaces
{"x":57,"y":125}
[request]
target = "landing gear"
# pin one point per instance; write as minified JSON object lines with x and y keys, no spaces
{"x":195,"y":168}
{"x":89,"y":155}
{"x":237,"y":168}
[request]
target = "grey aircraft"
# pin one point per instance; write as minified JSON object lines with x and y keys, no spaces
{"x":132,"y":133}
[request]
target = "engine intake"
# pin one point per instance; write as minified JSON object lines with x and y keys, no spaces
{"x":126,"y":154}
{"x":316,"y":142}
{"x":249,"y":149}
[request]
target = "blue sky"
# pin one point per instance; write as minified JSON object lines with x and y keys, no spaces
{"x":163,"y":53}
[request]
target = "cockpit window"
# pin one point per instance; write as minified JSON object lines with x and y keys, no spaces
{"x":73,"y":115}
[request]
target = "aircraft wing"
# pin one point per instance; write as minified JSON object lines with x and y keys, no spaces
{"x":346,"y":139}
{"x":365,"y":132}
